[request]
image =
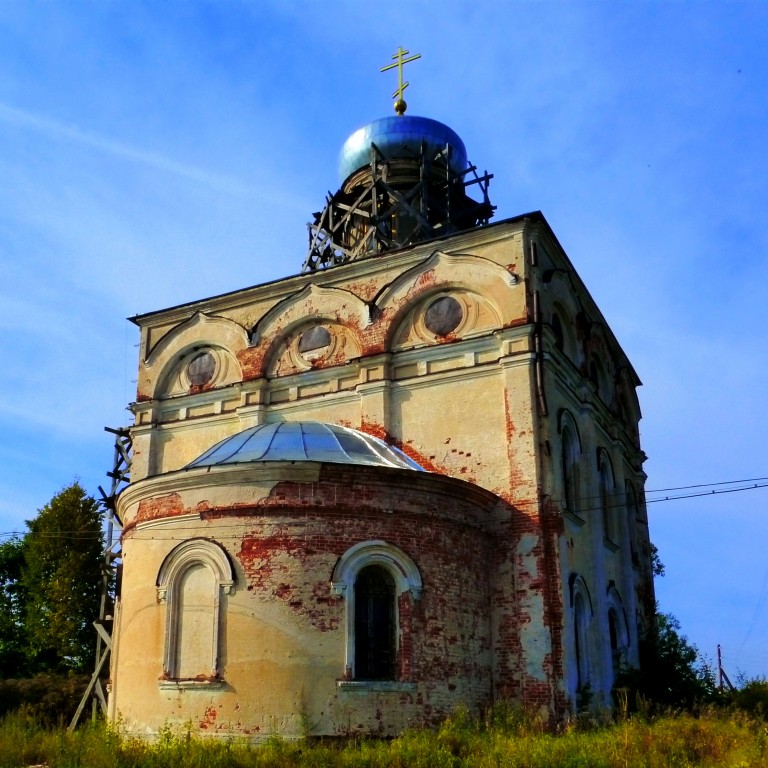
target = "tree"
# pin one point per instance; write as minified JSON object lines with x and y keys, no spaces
{"x":12,"y":599}
{"x":672,"y":672}
{"x":60,"y":582}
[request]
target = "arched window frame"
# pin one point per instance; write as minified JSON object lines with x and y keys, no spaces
{"x":562,"y":326}
{"x":630,"y":497}
{"x":581,"y":617}
{"x":617,"y":617}
{"x":558,"y":332}
{"x":635,"y":510}
{"x":405,"y":575}
{"x":634,"y":521}
{"x":187,"y":555}
{"x":570,"y":464}
{"x":608,"y":499}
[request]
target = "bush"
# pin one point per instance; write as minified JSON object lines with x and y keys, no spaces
{"x":47,"y":698}
{"x":752,"y":698}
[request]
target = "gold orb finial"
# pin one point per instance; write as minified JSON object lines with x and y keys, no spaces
{"x":400,"y":105}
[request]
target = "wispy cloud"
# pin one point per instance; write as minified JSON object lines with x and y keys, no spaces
{"x":71,"y":133}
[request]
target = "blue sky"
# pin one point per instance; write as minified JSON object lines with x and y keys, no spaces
{"x":155,"y":153}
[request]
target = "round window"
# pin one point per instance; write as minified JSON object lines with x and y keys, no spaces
{"x":315,"y":343}
{"x":201,"y":370}
{"x":443,"y":316}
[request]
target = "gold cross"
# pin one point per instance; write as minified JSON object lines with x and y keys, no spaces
{"x":400,"y":105}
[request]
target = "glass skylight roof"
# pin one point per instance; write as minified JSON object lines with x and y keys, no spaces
{"x":304,"y":441}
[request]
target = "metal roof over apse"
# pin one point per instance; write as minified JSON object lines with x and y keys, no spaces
{"x":393,"y":135}
{"x":304,"y":441}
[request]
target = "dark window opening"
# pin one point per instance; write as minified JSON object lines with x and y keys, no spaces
{"x":611,"y":524}
{"x":557,"y":329}
{"x":580,"y":644}
{"x":570,"y":470}
{"x":615,"y":650}
{"x":605,"y":505}
{"x":374,"y":624}
{"x":594,"y":375}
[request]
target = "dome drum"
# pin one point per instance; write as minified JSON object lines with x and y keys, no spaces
{"x":404,"y":180}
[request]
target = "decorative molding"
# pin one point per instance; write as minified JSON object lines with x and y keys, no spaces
{"x":403,"y":569}
{"x":377,"y":686}
{"x":337,"y":305}
{"x":191,"y":685}
{"x":187,"y":555}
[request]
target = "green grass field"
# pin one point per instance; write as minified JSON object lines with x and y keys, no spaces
{"x":504,"y":738}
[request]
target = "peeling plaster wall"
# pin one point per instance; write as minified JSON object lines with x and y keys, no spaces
{"x":480,"y":403}
{"x":283,"y":631}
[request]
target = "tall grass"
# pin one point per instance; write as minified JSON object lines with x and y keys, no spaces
{"x":505,"y":737}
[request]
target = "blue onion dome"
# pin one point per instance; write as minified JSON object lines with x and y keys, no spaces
{"x":304,"y":441}
{"x":400,"y":136}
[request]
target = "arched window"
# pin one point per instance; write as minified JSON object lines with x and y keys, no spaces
{"x":557,"y":330}
{"x":581,"y":615}
{"x":580,"y":642}
{"x":613,"y":633}
{"x":632,"y":518}
{"x":372,"y":576}
{"x":598,"y":378}
{"x":634,"y":510}
{"x":607,"y":499}
{"x":375,"y":609}
{"x":191,"y":581}
{"x":618,"y":634}
{"x":563,"y":331}
{"x":570,"y":454}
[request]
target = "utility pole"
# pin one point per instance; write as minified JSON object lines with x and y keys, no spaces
{"x":722,"y":677}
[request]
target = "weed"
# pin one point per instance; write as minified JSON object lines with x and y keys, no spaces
{"x":506,"y":735}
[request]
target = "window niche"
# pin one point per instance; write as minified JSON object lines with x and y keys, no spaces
{"x":557,"y":330}
{"x":191,"y":582}
{"x":375,"y":639}
{"x":618,"y":633}
{"x":581,"y":618}
{"x":608,"y":500}
{"x":570,"y":466}
{"x":372,"y":576}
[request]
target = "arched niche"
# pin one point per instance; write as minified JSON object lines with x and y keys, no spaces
{"x":559,"y":301}
{"x":561,"y":320}
{"x":166,"y":367}
{"x":627,"y":401}
{"x":311,"y":302}
{"x":191,"y":582}
{"x":570,"y":463}
{"x":281,"y":330}
{"x":487,"y":291}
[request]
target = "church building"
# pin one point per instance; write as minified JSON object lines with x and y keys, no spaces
{"x":405,"y":480}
